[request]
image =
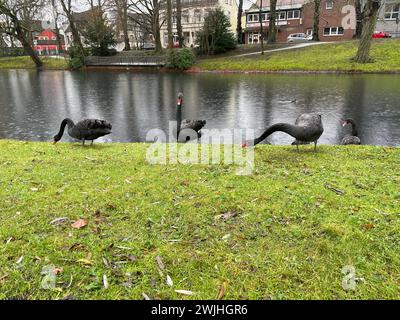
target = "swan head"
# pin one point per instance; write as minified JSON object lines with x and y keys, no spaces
{"x":56,"y":138}
{"x":345,"y":122}
{"x":180,"y":99}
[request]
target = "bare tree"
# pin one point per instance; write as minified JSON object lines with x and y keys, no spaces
{"x":359,"y":17}
{"x":179,"y":28}
{"x":169,"y":24}
{"x":317,"y":11}
{"x":272,"y":22}
{"x":370,"y":16}
{"x":56,"y":15}
{"x":147,"y":15}
{"x":120,"y":9}
{"x":76,"y":38}
{"x":14,"y":13}
{"x":261,"y":27}
{"x":239,"y":29}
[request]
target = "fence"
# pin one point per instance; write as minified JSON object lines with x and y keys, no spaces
{"x":125,"y":61}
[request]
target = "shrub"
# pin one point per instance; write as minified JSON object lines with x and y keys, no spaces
{"x":181,"y":59}
{"x":76,"y":57}
{"x":215,"y":36}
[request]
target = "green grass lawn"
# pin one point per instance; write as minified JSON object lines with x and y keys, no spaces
{"x":290,"y":227}
{"x":324,"y":57}
{"x":27,"y":63}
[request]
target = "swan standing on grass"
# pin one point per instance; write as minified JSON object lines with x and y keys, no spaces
{"x":307,"y":128}
{"x":181,"y":125}
{"x":88,"y":129}
{"x":350,"y":138}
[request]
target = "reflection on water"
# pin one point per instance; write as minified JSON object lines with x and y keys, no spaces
{"x":32,"y":104}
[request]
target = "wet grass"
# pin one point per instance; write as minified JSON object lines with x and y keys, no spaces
{"x":288,"y":228}
{"x":26,"y":62}
{"x":324,"y":57}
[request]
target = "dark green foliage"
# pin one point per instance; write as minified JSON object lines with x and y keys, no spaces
{"x":181,"y":58}
{"x":215,"y":37}
{"x":98,"y":35}
{"x":76,"y":57}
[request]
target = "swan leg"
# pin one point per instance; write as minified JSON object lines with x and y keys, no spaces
{"x":91,"y":143}
{"x":83,"y":142}
{"x":297,"y":145}
{"x":315,"y":146}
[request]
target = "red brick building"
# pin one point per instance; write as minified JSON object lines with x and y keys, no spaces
{"x":45,"y":43}
{"x":297,"y":16}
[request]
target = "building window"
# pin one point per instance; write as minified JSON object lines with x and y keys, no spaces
{"x":197,"y":15}
{"x":254,"y":37}
{"x":329,"y":4}
{"x":252,"y":17}
{"x":185,"y":16}
{"x":392,"y":11}
{"x":309,"y":32}
{"x":293,"y":14}
{"x":281,"y":15}
{"x":333,"y":31}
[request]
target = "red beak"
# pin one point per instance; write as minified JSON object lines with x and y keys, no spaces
{"x":244,"y":145}
{"x":179,"y":103}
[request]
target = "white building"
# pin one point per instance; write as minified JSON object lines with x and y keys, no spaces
{"x":193,"y":14}
{"x":389,"y":18}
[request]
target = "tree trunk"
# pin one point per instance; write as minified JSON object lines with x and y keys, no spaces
{"x":76,"y":39}
{"x":317,"y":10}
{"x":124,"y":21}
{"x":272,"y":22}
{"x":370,"y":16}
{"x":156,"y":25}
{"x":359,"y":18}
{"x":27,"y":46}
{"x":239,"y":30}
{"x":261,"y":28}
{"x":169,"y":24}
{"x":179,"y":22}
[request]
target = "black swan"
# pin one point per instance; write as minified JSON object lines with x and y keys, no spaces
{"x":88,"y":129}
{"x":181,"y":125}
{"x":350,"y":138}
{"x":307,"y":128}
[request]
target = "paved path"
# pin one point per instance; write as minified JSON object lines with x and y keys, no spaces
{"x":297,"y":46}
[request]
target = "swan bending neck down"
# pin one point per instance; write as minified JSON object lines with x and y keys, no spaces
{"x":87,"y":129}
{"x":307,"y":128}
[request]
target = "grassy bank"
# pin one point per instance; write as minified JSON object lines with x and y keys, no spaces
{"x":324,"y":57}
{"x":287,"y":231}
{"x":27,"y":63}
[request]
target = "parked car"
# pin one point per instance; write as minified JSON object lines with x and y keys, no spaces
{"x":381,"y":34}
{"x":148,"y":46}
{"x":298,"y":37}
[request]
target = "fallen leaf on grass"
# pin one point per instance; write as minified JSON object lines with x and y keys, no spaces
{"x":226,"y":215}
{"x":85,"y":261}
{"x":226,"y":236}
{"x":185,"y":292}
{"x":80,"y":223}
{"x":145,"y":296}
{"x":335,"y":190}
{"x":105,"y":281}
{"x":369,"y":226}
{"x":19,"y":260}
{"x":222,"y":290}
{"x":10,"y":239}
{"x":169,"y":281}
{"x":59,"y":221}
{"x":160,"y":263}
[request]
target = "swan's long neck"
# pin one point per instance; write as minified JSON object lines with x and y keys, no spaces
{"x":291,"y":129}
{"x":178,"y":119}
{"x":353,"y":129}
{"x":64,"y":123}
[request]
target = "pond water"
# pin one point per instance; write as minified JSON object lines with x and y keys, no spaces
{"x":32,"y":104}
